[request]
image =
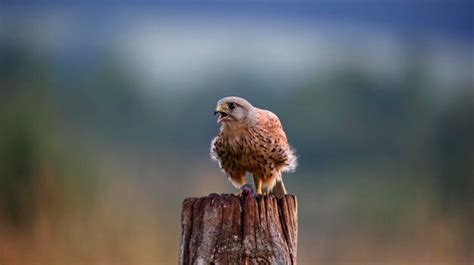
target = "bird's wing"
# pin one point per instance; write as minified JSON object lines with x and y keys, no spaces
{"x":276,"y":138}
{"x":272,"y":127}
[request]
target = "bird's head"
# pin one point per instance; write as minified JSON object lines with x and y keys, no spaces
{"x":233,"y":110}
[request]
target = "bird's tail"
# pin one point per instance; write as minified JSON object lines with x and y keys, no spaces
{"x":279,"y":189}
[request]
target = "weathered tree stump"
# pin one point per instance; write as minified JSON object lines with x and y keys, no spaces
{"x":228,"y":229}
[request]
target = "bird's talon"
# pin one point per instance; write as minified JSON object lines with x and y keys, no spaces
{"x":248,"y":191}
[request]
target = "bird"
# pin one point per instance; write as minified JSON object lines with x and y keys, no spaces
{"x":252,"y":140}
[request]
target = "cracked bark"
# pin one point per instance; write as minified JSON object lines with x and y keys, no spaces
{"x":226,"y":229}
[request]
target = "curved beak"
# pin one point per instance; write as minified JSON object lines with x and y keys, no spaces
{"x":222,"y":111}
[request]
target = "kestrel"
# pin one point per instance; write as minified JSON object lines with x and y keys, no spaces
{"x":252,"y":140}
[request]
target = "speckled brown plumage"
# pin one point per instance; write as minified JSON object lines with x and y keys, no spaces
{"x":251,"y":140}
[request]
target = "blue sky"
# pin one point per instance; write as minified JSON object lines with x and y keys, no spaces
{"x":446,"y":17}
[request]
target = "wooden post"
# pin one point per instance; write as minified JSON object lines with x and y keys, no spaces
{"x":228,"y":229}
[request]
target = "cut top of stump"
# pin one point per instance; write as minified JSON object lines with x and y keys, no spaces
{"x":229,"y":229}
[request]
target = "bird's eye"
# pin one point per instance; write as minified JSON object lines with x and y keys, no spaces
{"x":232,"y":105}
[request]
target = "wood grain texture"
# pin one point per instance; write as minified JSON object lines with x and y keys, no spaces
{"x":228,"y":229}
